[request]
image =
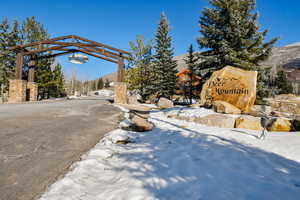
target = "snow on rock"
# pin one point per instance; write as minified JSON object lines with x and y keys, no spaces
{"x":183,"y":160}
{"x":125,"y":124}
{"x":118,"y":136}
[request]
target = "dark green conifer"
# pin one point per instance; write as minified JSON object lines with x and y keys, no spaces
{"x":164,"y":81}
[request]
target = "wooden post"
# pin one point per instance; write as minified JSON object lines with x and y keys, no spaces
{"x":121,"y":69}
{"x":31,"y":74}
{"x":19,"y":66}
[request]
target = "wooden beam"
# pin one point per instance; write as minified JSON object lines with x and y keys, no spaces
{"x":57,"y":54}
{"x":43,"y":50}
{"x":100,"y":52}
{"x":95,"y":47}
{"x":40,"y":42}
{"x":102,"y":45}
{"x":91,"y":54}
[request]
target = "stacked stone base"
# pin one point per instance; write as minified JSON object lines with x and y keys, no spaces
{"x":120,"y":93}
{"x":21,"y":91}
{"x":33,"y":88}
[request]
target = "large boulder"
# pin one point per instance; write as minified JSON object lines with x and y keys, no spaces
{"x":165,"y":103}
{"x":216,"y":120}
{"x":232,"y":85}
{"x":248,"y":122}
{"x":224,"y":107}
{"x":280,"y":125}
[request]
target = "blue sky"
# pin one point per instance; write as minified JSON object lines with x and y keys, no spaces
{"x":116,"y":22}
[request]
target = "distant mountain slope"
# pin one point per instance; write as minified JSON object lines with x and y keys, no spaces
{"x":112,"y":77}
{"x":287,"y":57}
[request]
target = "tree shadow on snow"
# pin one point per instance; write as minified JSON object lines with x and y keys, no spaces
{"x":177,"y":167}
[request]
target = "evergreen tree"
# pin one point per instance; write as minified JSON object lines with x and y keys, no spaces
{"x":282,"y":83}
{"x":138,"y":76}
{"x":58,"y":81}
{"x":9,"y":37}
{"x":230,"y":35}
{"x":93,"y":85}
{"x":106,"y":84}
{"x":100,"y":84}
{"x":191,"y":61}
{"x":44,"y":77}
{"x":265,"y":86}
{"x":164,"y":79}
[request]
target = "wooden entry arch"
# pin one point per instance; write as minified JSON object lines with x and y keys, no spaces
{"x":66,"y":45}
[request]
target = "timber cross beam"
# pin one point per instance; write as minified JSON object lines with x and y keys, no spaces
{"x":66,"y":45}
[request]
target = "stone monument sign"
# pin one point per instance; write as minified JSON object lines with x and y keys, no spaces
{"x":232,"y":85}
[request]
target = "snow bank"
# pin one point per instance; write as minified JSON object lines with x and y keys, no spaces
{"x":105,"y":92}
{"x":182,"y":160}
{"x":193,"y":112}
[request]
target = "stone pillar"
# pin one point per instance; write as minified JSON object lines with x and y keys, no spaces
{"x":17,"y":91}
{"x":120,"y":93}
{"x":33,"y":91}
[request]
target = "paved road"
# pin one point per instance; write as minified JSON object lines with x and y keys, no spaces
{"x":38,"y":142}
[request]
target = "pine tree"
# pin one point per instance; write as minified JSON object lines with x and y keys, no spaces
{"x":191,"y":61}
{"x":282,"y":83}
{"x":164,"y":80}
{"x":107,"y":83}
{"x":138,"y":76}
{"x":230,"y":36}
{"x":58,"y":81}
{"x":44,"y":77}
{"x":100,"y":84}
{"x":9,"y":37}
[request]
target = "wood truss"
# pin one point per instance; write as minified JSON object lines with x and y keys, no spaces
{"x":66,"y":45}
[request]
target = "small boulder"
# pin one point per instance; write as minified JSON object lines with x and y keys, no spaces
{"x":216,"y":120}
{"x":280,"y":125}
{"x":140,"y":123}
{"x":165,"y":103}
{"x":224,"y":107}
{"x":248,"y":122}
{"x":133,"y":99}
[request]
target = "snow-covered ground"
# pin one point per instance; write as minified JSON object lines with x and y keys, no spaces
{"x":181,"y":160}
{"x":105,"y":92}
